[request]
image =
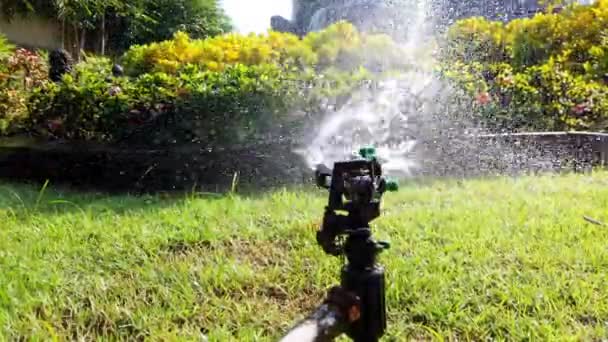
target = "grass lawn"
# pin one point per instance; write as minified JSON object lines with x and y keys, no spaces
{"x":508,"y":259}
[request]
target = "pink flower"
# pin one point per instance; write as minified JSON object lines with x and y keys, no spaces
{"x":580,"y":109}
{"x":54,"y":125}
{"x":483,"y":98}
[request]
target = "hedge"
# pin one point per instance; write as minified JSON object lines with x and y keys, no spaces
{"x":214,"y":91}
{"x":547,"y":72}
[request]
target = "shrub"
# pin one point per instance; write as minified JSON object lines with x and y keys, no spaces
{"x":340,"y":44}
{"x":6,"y":49}
{"x":20,"y":71}
{"x":79,"y":106}
{"x":543,"y":97}
{"x":571,"y":33}
{"x":13,"y":107}
{"x":534,"y":40}
{"x":216,"y":53}
{"x":28,"y":67}
{"x":596,"y":67}
{"x":195,"y":106}
{"x":477,"y":39}
{"x":542,"y":73}
{"x":216,"y":91}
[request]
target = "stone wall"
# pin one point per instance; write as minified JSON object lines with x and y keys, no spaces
{"x":511,"y":154}
{"x":120,"y":169}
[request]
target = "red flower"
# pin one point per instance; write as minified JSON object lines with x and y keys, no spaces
{"x":580,"y":109}
{"x":54,"y":125}
{"x":483,"y":98}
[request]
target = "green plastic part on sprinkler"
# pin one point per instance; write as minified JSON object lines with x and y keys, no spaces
{"x":392,"y":185}
{"x":368,"y":153}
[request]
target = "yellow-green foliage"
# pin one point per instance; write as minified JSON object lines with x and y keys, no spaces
{"x":545,"y":72}
{"x":217,"y":90}
{"x":336,"y":40}
{"x":215,"y":53}
{"x":572,"y":35}
{"x":340,"y":42}
{"x":6,"y":49}
{"x":477,"y":39}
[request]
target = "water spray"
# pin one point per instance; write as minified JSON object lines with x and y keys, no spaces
{"x":391,"y":114}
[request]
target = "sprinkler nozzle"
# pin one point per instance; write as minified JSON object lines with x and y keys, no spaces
{"x":368,"y":153}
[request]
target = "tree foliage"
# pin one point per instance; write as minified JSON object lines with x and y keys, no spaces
{"x":158,"y":20}
{"x":11,"y":8}
{"x":129,"y":22}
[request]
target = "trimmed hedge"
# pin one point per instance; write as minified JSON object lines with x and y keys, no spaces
{"x":216,"y":91}
{"x":339,"y":45}
{"x":194,"y":106}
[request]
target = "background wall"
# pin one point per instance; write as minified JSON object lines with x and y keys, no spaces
{"x":32,"y":32}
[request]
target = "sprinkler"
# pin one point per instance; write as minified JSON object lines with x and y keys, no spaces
{"x":357,"y":306}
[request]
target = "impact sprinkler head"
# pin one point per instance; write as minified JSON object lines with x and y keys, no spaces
{"x":368,"y":153}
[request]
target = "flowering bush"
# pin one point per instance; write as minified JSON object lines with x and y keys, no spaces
{"x":218,"y":90}
{"x":158,"y":108}
{"x":28,"y":67}
{"x":20,"y":71}
{"x":548,"y":72}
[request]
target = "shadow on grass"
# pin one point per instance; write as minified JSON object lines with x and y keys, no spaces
{"x":47,"y":198}
{"x":30,"y":197}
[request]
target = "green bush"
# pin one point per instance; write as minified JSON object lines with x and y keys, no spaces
{"x":195,"y":106}
{"x":477,"y":39}
{"x":542,"y":73}
{"x":216,"y":91}
{"x":79,"y":107}
{"x":571,"y":34}
{"x":6,"y":49}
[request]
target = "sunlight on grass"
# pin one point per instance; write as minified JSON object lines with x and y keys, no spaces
{"x":507,"y":258}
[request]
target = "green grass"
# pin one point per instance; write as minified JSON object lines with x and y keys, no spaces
{"x":506,"y":259}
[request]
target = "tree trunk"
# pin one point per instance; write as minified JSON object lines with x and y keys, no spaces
{"x":76,"y":44}
{"x":82,"y":40}
{"x":103,"y":34}
{"x":63,"y":33}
